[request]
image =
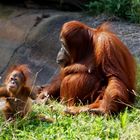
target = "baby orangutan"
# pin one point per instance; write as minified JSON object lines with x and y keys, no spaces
{"x":16,"y":92}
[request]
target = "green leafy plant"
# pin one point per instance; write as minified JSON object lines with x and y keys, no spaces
{"x":127,"y":9}
{"x":135,"y":11}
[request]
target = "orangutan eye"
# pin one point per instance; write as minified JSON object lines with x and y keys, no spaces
{"x":64,"y":46}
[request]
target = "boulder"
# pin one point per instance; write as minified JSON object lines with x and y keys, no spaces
{"x":29,"y":36}
{"x":33,"y":39}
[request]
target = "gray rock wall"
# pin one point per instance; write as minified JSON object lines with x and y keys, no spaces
{"x":32,"y":37}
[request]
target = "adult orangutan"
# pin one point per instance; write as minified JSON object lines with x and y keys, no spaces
{"x":97,"y":69}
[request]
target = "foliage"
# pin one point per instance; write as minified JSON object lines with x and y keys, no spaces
{"x":127,"y":9}
{"x":134,"y":14}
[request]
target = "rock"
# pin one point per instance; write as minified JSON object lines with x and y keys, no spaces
{"x":23,"y":40}
{"x":41,"y":47}
{"x":32,"y":37}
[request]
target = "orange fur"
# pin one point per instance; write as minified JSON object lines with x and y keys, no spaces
{"x":16,"y":92}
{"x":101,"y":72}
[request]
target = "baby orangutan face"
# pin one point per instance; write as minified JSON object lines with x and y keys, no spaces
{"x":15,"y":81}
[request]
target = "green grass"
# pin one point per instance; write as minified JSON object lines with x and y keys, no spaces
{"x":125,"y":126}
{"x":65,"y":127}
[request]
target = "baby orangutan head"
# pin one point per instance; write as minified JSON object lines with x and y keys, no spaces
{"x":16,"y":79}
